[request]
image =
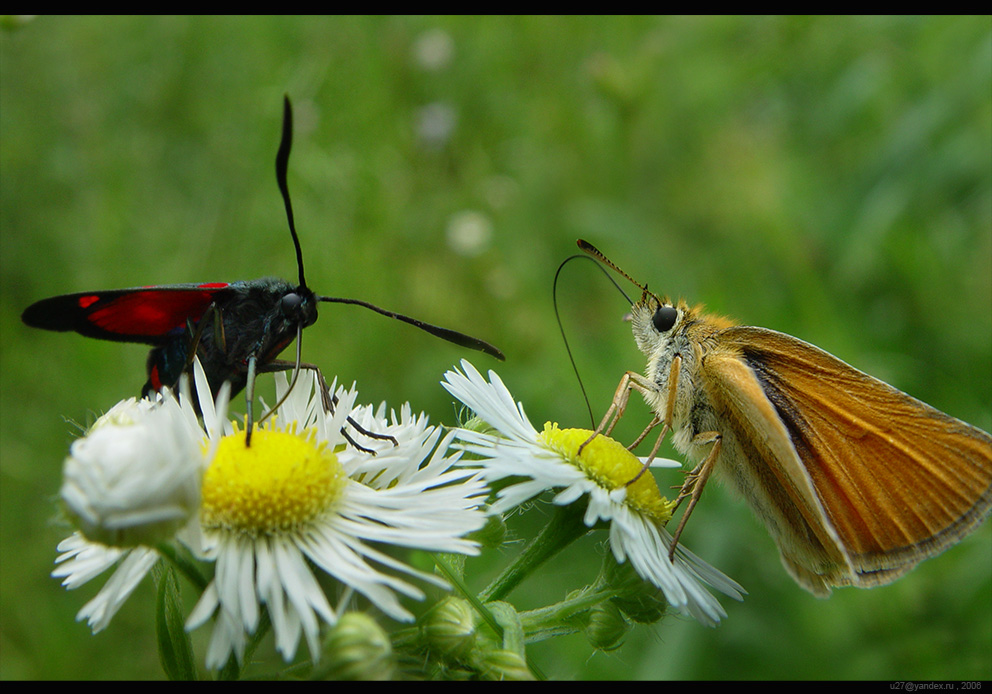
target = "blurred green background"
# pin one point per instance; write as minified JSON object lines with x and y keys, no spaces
{"x":826,"y":177}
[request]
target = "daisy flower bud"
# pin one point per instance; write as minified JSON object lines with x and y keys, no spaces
{"x":134,"y":479}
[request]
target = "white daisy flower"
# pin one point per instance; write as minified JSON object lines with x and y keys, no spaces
{"x":299,"y":500}
{"x":548,"y":460}
{"x":82,"y":560}
{"x":132,"y":481}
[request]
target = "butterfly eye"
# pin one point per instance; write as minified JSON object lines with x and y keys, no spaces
{"x":664,"y":318}
{"x":290,"y":304}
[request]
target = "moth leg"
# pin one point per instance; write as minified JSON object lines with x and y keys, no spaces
{"x":692,"y":489}
{"x":220,"y":338}
{"x":619,"y":404}
{"x":250,"y":398}
{"x":296,"y":373}
{"x":328,"y":401}
{"x":196,"y":334}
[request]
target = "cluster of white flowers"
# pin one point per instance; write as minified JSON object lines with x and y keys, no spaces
{"x":268,"y":516}
{"x":301,"y":501}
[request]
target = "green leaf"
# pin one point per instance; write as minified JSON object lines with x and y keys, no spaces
{"x":175,"y":650}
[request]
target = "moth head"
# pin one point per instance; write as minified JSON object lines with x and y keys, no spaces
{"x":298,"y":307}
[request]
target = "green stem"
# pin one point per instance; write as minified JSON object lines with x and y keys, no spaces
{"x":184,"y":563}
{"x":476,"y":602}
{"x":565,"y":527}
{"x":546,"y":622}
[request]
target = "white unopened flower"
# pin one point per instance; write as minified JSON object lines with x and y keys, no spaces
{"x":549,"y":460}
{"x":300,"y":501}
{"x":131,"y":482}
{"x":135,"y":477}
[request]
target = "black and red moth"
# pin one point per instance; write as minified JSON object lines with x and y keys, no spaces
{"x":237,"y":329}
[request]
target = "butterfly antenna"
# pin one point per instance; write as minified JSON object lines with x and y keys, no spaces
{"x":595,"y":253}
{"x":282,"y":164}
{"x":561,"y":327}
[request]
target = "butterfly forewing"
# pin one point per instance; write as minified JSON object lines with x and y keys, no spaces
{"x":899,"y":480}
{"x":764,"y":467}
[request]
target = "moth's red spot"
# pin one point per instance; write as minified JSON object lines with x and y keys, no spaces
{"x":212,"y":285}
{"x":151,"y":312}
{"x":153,"y":376}
{"x":87,"y":301}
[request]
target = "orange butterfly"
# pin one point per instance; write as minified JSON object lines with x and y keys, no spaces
{"x":856,"y":481}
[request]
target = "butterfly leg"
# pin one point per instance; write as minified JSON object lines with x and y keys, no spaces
{"x":629,"y":381}
{"x":633,"y":381}
{"x":655,"y":421}
{"x":692,"y":489}
{"x":673,"y":380}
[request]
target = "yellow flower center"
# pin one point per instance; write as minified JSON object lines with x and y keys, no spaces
{"x":611,"y":466}
{"x":282,"y":482}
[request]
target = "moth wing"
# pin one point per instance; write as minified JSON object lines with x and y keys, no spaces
{"x":151,"y":315}
{"x":899,"y":480}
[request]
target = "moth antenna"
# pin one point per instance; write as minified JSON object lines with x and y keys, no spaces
{"x":453,"y":336}
{"x":282,"y":164}
{"x":598,"y":255}
{"x":561,"y":327}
